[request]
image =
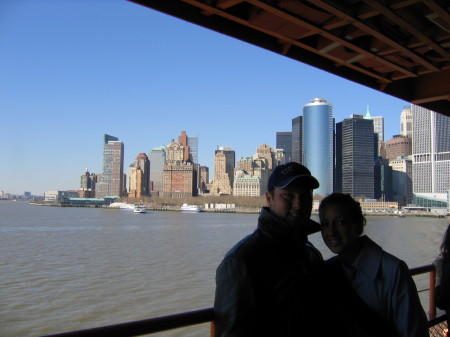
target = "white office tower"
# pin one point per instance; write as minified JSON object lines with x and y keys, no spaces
{"x":431,"y":157}
{"x":406,"y":122}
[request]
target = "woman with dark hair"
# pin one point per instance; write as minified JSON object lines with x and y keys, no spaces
{"x":374,"y":288}
{"x":442,"y":265}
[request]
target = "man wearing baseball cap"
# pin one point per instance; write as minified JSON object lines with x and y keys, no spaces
{"x":258,"y":280}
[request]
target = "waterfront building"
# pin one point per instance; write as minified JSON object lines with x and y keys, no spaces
{"x":157,"y":157}
{"x":431,"y":154}
{"x":112,"y":179}
{"x":59,"y":196}
{"x":354,"y":157}
{"x":398,"y":146}
{"x":179,"y":173}
{"x":246,"y":184}
{"x":406,"y":122}
{"x":284,"y":141}
{"x":401,"y":180}
{"x":87,"y":185}
{"x":179,"y":180}
{"x":222,"y":183}
{"x":224,"y":162}
{"x":252,"y":174}
{"x":297,"y":140}
{"x":139,"y":177}
{"x":318,"y":143}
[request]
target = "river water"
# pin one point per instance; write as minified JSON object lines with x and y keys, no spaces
{"x":64,"y":269}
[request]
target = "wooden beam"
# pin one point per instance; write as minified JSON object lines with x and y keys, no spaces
{"x":344,"y":16}
{"x":329,"y":36}
{"x":225,"y":4}
{"x":391,"y":15}
{"x":204,"y":7}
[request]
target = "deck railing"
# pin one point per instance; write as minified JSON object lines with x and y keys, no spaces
{"x":438,"y":325}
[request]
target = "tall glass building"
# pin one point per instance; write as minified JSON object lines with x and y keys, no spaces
{"x":354,"y":157}
{"x":284,"y":141}
{"x":192,"y":142}
{"x":318,"y":131}
{"x":157,"y":158}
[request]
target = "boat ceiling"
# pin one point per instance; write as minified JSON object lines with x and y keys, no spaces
{"x":401,"y":48}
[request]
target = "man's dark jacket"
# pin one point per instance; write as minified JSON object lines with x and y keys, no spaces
{"x":263,"y":285}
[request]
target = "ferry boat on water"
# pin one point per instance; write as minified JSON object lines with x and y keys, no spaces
{"x":140,"y":209}
{"x":190,"y":208}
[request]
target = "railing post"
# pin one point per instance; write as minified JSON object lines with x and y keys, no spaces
{"x":213,"y":329}
{"x":432,"y":304}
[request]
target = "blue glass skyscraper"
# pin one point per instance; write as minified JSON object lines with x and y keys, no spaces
{"x":318,"y":142}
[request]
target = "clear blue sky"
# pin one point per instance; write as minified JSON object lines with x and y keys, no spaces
{"x":72,"y":70}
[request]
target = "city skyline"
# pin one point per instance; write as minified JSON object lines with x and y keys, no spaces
{"x":70,"y":80}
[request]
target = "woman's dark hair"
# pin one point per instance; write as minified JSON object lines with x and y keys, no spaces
{"x":445,"y":246}
{"x":350,"y":205}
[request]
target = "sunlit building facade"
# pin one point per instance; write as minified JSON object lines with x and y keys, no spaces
{"x":318,"y":131}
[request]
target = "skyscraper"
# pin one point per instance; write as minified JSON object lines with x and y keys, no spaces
{"x":139,"y":178}
{"x":157,"y":158}
{"x":318,"y":142}
{"x":112,"y":182}
{"x":224,"y":162}
{"x":192,"y":143}
{"x":354,"y":157}
{"x":284,"y":141}
{"x":406,"y":122}
{"x":297,"y":140}
{"x":431,"y":151}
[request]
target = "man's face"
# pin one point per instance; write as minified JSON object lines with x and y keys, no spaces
{"x":292,"y":204}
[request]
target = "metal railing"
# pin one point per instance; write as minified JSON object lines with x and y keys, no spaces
{"x":438,"y":324}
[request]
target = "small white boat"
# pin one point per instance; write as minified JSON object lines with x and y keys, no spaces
{"x":190,"y":208}
{"x":140,"y":209}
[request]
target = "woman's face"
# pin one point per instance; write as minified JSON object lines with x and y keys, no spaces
{"x":338,"y":230}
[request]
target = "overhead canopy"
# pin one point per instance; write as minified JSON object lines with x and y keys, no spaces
{"x":399,"y":47}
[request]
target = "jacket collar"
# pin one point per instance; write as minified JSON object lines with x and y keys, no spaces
{"x":273,"y":227}
{"x":369,"y":259}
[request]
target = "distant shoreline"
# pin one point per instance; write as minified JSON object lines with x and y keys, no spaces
{"x":240,"y":210}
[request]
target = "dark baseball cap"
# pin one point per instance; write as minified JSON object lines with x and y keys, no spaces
{"x":284,"y":174}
